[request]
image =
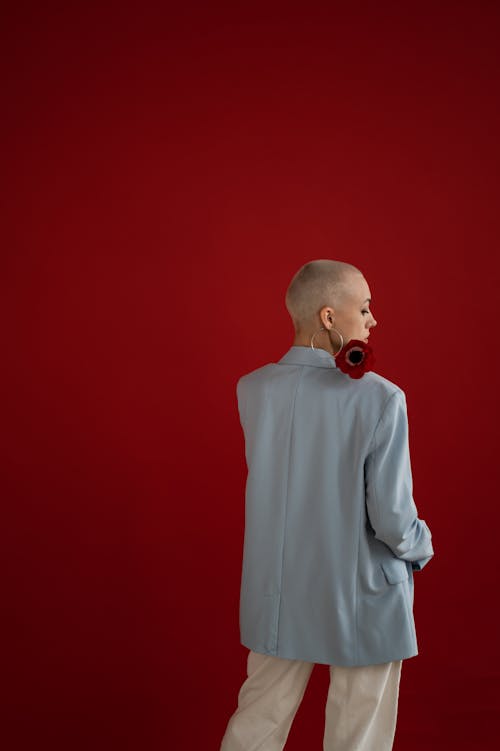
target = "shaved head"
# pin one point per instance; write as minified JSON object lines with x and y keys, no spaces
{"x":316,"y":284}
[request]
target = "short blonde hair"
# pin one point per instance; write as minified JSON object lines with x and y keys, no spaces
{"x":317,"y":283}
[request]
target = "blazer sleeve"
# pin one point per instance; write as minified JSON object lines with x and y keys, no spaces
{"x":389,"y":488}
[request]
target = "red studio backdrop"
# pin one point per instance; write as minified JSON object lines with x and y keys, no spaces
{"x":166,"y":171}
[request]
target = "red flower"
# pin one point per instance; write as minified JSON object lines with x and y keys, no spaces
{"x":355,"y":358}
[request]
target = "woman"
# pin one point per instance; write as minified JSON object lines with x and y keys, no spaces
{"x":332,"y":534}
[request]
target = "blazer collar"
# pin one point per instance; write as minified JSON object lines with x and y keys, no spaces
{"x":301,"y":355}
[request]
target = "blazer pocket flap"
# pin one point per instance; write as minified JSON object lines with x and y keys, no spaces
{"x":395,"y":570}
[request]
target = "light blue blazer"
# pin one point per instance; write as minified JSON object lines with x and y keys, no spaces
{"x":332,"y":533}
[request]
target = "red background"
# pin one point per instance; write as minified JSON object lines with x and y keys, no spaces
{"x":167,"y":172}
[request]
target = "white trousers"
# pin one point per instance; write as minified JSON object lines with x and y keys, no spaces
{"x":360,"y":713}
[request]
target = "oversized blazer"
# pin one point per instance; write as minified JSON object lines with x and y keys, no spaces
{"x":332,"y":533}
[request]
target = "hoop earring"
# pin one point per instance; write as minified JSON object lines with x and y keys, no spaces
{"x":332,"y":329}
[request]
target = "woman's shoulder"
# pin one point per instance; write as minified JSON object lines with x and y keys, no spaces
{"x":376,"y":382}
{"x":256,"y":373}
{"x":371,"y":383}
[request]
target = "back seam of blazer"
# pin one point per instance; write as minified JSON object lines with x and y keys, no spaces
{"x":290,"y":426}
{"x":356,"y":599}
{"x":380,"y":418}
{"x":356,"y":646}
